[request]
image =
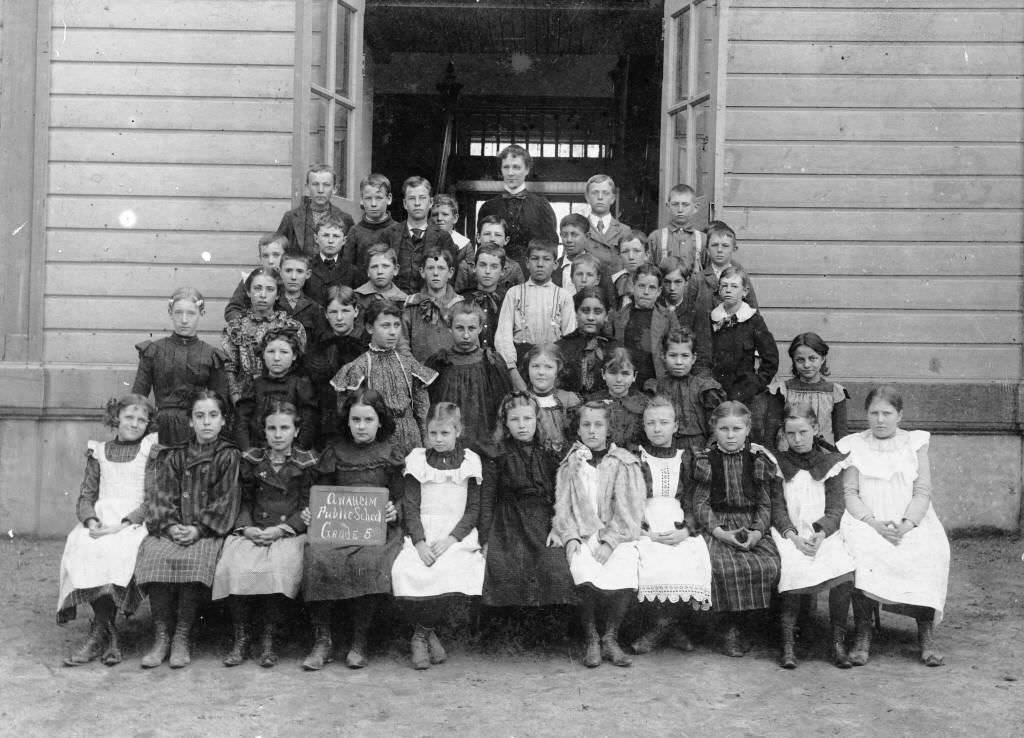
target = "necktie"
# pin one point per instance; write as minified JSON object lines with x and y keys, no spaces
{"x":600,"y":226}
{"x":417,"y":235}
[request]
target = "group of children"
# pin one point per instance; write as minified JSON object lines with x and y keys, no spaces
{"x":602,"y":430}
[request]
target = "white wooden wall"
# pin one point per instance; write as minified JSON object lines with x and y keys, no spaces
{"x":170,"y":135}
{"x":873,"y":173}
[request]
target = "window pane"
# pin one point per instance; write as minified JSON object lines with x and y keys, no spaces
{"x":476,"y":149}
{"x":320,"y":50}
{"x":681,"y":165}
{"x":343,"y":82}
{"x":317,"y":130}
{"x":340,"y":154}
{"x":682,"y":22}
{"x":549,"y":151}
{"x":703,"y":153}
{"x":705,"y":46}
{"x":534,"y":149}
{"x":593,"y":151}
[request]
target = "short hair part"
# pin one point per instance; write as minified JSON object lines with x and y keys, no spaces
{"x":735,"y":271}
{"x":332,"y":222}
{"x":322,"y":169}
{"x":343,"y":295}
{"x":112,"y":410}
{"x":378,"y":308}
{"x":799,"y":411}
{"x":816,"y":344}
{"x":648,"y":270}
{"x":465,"y":307}
{"x":730,"y":409}
{"x":885,"y":393}
{"x":682,"y":189}
{"x":370,"y":398}
{"x":491,"y":250}
{"x":599,"y":179}
{"x":670,"y":263}
{"x":381,"y":249}
{"x":192,"y":295}
{"x":588,"y":293}
{"x":436,"y":252}
{"x":585,"y":259}
{"x":492,"y":220}
{"x":720,"y":228}
{"x":618,"y":361}
{"x":445,"y":412}
{"x":415,"y":181}
{"x":281,"y":407}
{"x":577,"y":220}
{"x":515,"y":150}
{"x":540,"y":244}
{"x":377,"y":181}
{"x":447,"y":201}
{"x":678,"y":335}
{"x":296,"y":256}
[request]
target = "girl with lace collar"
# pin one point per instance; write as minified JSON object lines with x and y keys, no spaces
{"x":674,"y":563}
{"x":441,"y":557}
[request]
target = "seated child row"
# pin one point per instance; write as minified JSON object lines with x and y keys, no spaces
{"x":597,"y":527}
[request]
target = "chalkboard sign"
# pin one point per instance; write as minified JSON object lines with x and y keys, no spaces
{"x":347,"y":516}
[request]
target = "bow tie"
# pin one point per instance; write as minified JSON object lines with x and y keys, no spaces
{"x":521,"y":195}
{"x":430,"y":312}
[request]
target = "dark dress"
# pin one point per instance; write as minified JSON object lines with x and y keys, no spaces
{"x":323,"y":362}
{"x":174,"y":368}
{"x":734,"y":490}
{"x":196,"y":484}
{"x":344,"y":572}
{"x":253,"y":405}
{"x":527,"y":215}
{"x":490,"y":303}
{"x":515,"y":520}
{"x":693,"y":397}
{"x":584,"y":360}
{"x":476,"y":382}
{"x":626,"y":418}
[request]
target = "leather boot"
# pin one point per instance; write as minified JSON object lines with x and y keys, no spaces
{"x":322,"y":646}
{"x":112,"y":655}
{"x":420,"y":651}
{"x":181,"y":646}
{"x":92,"y":647}
{"x":362,"y":616}
{"x":788,"y":660}
{"x":161,"y":645}
{"x":592,"y":656}
{"x":240,"y":648}
{"x":268,"y":657}
{"x":839,"y":656}
{"x":862,"y":611}
{"x":731,"y":642}
{"x":652,"y":638}
{"x":930,"y":656}
{"x":437,"y":653}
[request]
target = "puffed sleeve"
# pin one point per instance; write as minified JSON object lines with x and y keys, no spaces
{"x":144,"y":374}
{"x":563,"y":524}
{"x":628,"y":506}
{"x":89,"y":491}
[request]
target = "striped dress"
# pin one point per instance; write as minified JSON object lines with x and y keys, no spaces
{"x":197,"y":484}
{"x":734,"y":490}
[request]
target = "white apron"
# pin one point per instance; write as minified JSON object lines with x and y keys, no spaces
{"x":443,"y":495}
{"x":916,"y":571}
{"x":805,"y":502}
{"x":670,"y":573}
{"x":90,"y":562}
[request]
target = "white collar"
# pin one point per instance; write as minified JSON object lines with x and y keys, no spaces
{"x":531,"y":283}
{"x":517,"y":190}
{"x":606,"y":219}
{"x":742,"y":315}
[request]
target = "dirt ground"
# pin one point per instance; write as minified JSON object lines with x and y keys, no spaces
{"x":504,"y":681}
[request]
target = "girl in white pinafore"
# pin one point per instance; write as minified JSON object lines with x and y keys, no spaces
{"x":675,"y":565}
{"x":98,"y":564}
{"x":805,"y":527}
{"x":899,"y":545}
{"x":441,"y":555}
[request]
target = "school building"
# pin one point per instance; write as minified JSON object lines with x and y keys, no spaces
{"x":867,"y":152}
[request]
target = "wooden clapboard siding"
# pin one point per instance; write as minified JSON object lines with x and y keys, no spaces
{"x":170,"y":141}
{"x":873,"y":173}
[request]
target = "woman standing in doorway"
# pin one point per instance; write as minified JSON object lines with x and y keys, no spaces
{"x":528,"y":215}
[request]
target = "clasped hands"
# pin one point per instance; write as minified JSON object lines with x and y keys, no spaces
{"x":890,"y":530}
{"x":742,"y":538}
{"x":431,"y":552}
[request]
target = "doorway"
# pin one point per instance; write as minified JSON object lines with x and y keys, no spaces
{"x":576,"y":83}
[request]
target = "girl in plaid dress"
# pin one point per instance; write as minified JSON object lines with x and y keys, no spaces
{"x":735,"y":482}
{"x":191,"y":505}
